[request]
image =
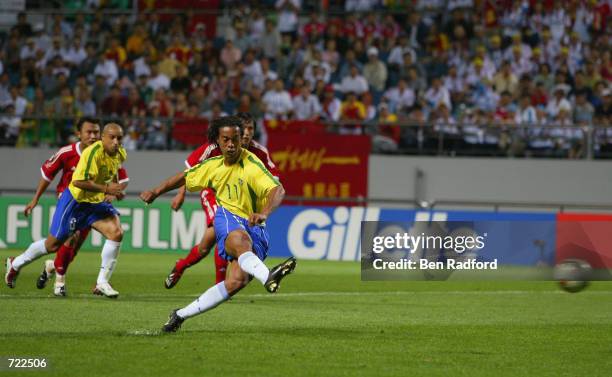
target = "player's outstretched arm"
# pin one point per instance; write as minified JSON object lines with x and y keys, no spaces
{"x":169,"y":184}
{"x":275,"y":198}
{"x":179,"y":198}
{"x":111,"y":198}
{"x":42,"y":187}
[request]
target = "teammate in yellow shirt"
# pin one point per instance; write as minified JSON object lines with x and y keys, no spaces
{"x":95,"y":178}
{"x":246,"y":194}
{"x":86,"y":204}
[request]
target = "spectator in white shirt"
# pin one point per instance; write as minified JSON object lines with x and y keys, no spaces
{"x":141,"y":68}
{"x":41,"y":40}
{"x":317,"y":70}
{"x":476,"y":74}
{"x":444,"y":120}
{"x":517,"y":44}
{"x":58,"y":66}
{"x":288,"y":15}
{"x":487,"y":63}
{"x":354,"y":82}
{"x":317,"y":73}
{"x":526,"y":114}
{"x":330,"y":108}
{"x":18,"y":101}
{"x":28,"y":50}
{"x":10,"y":124}
{"x":108,"y":69}
{"x":75,"y":54}
{"x":375,"y":71}
{"x":437,"y":95}
{"x":277,"y":102}
{"x":520,"y":65}
{"x":396,"y":56}
{"x":557,"y":103}
{"x":256,"y":25}
{"x":400,"y":97}
{"x":305,"y":105}
{"x":158,"y":80}
{"x":454,"y":83}
{"x":270,"y":41}
{"x":252,"y":67}
{"x":265,"y":74}
{"x":55,"y":50}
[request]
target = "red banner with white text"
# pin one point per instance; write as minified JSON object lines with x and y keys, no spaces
{"x":327,"y":166}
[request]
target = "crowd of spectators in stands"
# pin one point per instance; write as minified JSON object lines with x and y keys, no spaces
{"x":503,"y":75}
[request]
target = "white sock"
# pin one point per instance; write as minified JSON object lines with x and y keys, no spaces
{"x":210,"y":299}
{"x":252,"y":265}
{"x":110,"y":251}
{"x":60,"y":280}
{"x":34,"y":251}
{"x":49,"y":267}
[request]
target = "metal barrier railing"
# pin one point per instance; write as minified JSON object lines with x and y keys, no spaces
{"x":424,"y":138}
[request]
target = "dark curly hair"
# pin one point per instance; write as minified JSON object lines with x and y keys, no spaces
{"x":217,"y":124}
{"x":246,"y":118}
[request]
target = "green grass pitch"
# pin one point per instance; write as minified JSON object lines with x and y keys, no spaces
{"x":323,"y":322}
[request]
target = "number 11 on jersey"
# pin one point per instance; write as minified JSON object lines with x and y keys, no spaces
{"x":229,"y":190}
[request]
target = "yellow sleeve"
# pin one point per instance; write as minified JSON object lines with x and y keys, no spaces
{"x":262,"y":181}
{"x":200,"y":176}
{"x":362,"y":110}
{"x":87,"y":168}
{"x":122,"y":154}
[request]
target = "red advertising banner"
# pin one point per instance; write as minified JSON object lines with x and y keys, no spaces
{"x":586,"y":237}
{"x":327,"y":166}
{"x":190,"y":131}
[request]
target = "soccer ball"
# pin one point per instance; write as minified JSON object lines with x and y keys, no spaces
{"x":573,"y":275}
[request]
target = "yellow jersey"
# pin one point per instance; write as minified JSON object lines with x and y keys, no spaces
{"x":242,"y":188}
{"x":95,"y":165}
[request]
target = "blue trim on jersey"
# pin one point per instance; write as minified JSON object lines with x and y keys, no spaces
{"x":71,"y":215}
{"x":226,"y":222}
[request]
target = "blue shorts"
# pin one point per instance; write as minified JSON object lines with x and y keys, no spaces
{"x":71,"y":215}
{"x":226,"y":222}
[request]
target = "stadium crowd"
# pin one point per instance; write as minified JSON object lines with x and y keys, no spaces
{"x":485,"y":75}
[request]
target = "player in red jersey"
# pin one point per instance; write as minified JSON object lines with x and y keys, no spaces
{"x":209,"y":204}
{"x":65,"y":160}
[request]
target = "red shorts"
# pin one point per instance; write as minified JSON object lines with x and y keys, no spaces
{"x":209,"y":205}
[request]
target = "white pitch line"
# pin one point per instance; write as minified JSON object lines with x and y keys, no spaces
{"x":144,"y":332}
{"x":332,"y":294}
{"x":395,"y":293}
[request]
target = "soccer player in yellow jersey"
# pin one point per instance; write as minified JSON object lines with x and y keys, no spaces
{"x":94,"y":178}
{"x":246,"y":194}
{"x":86,"y":203}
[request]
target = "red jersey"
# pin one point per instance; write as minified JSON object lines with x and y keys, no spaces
{"x":206,"y":151}
{"x":66,"y":160}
